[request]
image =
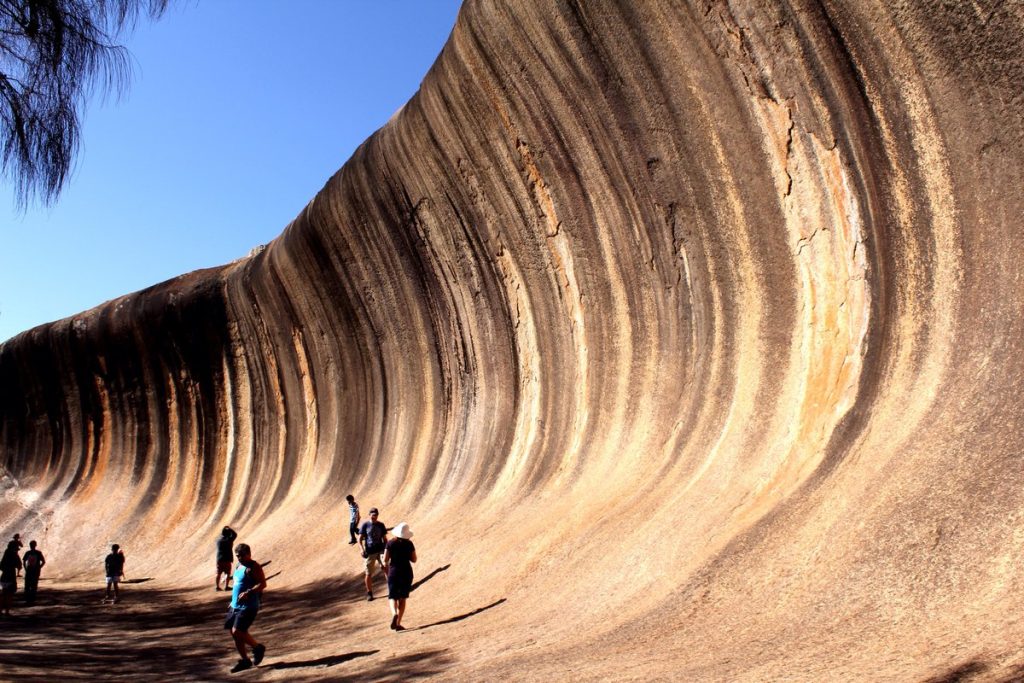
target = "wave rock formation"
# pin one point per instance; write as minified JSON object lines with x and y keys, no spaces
{"x":692,"y":330}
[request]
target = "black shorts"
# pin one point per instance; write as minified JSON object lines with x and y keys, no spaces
{"x":240,"y":619}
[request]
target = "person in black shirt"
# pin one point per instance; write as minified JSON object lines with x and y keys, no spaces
{"x":399,"y":554}
{"x":17,"y":539}
{"x":114,"y":566}
{"x":373,"y":536}
{"x":225,"y":543}
{"x":10,"y":564}
{"x":33,"y":562}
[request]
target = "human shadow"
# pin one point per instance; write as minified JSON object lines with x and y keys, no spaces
{"x":1015,"y":674}
{"x":323,"y":662}
{"x":467,"y":615}
{"x":428,"y":577}
{"x":148,"y":578}
{"x":69,"y":636}
{"x":424,"y":664}
{"x":963,"y":672}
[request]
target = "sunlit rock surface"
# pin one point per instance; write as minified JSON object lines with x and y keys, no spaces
{"x":691,"y":330}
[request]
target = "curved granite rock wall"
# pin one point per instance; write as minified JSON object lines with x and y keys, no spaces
{"x":713,"y":306}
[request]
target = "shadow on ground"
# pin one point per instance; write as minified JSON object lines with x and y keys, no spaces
{"x":428,"y":577}
{"x":164,"y":634}
{"x":460,"y":617}
{"x":322,"y":662}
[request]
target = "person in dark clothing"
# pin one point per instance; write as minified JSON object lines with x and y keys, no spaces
{"x":17,"y":539}
{"x":10,"y":565}
{"x":373,"y":536}
{"x":399,"y":554}
{"x":33,"y":562}
{"x":114,"y":566}
{"x":225,"y":542}
{"x":353,"y":518}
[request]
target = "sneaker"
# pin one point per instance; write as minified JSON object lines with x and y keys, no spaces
{"x":352,"y":542}
{"x":257,"y":653}
{"x":242,"y":665}
{"x":369,"y":597}
{"x":394,"y":622}
{"x":399,"y":627}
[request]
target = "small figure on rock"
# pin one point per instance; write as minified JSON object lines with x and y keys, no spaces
{"x":224,"y":543}
{"x":33,"y":562}
{"x":114,"y":566}
{"x":246,"y":596}
{"x":373,"y":536}
{"x":399,"y":554}
{"x":353,"y":518}
{"x":17,"y":539}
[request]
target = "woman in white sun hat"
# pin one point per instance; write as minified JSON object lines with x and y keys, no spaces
{"x":399,"y":554}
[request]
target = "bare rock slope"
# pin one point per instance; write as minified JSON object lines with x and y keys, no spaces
{"x":686,"y":334}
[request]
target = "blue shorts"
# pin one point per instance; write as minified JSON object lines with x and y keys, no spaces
{"x":240,"y":619}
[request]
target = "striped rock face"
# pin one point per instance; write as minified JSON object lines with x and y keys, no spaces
{"x":692,"y":330}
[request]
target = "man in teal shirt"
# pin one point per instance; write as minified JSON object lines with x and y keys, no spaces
{"x":249,"y":584}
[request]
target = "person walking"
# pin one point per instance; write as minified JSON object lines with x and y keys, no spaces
{"x":10,"y":565}
{"x":33,"y":562}
{"x":246,"y":596}
{"x":373,"y":537}
{"x":399,"y":554}
{"x":353,"y":518}
{"x":114,"y":566}
{"x":17,"y":539}
{"x":224,"y":543}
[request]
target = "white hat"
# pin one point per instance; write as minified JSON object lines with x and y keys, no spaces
{"x":402,"y":530}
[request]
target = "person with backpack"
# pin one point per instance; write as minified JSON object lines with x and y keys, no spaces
{"x":114,"y":566}
{"x":10,"y":565}
{"x":33,"y":562}
{"x":224,"y":544}
{"x":373,"y":537}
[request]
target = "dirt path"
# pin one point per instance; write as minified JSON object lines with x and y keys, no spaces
{"x":176,"y":634}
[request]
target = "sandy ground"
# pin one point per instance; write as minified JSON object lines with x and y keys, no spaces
{"x":162,"y":632}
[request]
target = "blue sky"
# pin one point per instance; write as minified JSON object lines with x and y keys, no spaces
{"x":238,"y":113}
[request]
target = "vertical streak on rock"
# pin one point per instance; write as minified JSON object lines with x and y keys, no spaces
{"x":309,"y":469}
{"x":528,"y":407}
{"x":823,"y":220}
